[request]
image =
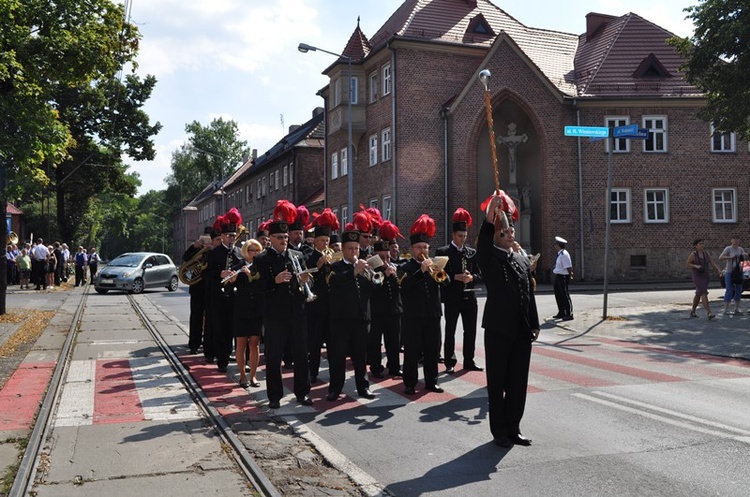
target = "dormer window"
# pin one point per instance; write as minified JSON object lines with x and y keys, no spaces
{"x":651,"y":67}
{"x":479,"y":26}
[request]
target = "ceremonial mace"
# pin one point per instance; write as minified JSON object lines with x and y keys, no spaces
{"x":484,"y":77}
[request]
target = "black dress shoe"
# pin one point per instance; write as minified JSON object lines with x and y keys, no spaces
{"x":558,"y":315}
{"x":569,"y":317}
{"x":244,"y":384}
{"x":435,"y":388}
{"x":210,"y":359}
{"x":255,"y":384}
{"x":519,"y":439}
{"x":332,"y":397}
{"x":450,"y":370}
{"x":473,"y":367}
{"x":305,"y":401}
{"x":409,"y":391}
{"x":503,"y":442}
{"x":274,"y":404}
{"x":193,"y":351}
{"x":367,"y":394}
{"x":223,"y":368}
{"x":397,"y":374}
{"x":377,"y":374}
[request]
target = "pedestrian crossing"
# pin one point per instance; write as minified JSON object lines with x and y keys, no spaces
{"x":147,"y":389}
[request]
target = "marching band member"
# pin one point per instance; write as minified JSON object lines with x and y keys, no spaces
{"x":297,"y":232}
{"x":221,"y":261}
{"x":458,"y":296}
{"x":319,"y":315}
{"x":510,"y":320}
{"x":262,"y":234}
{"x":362,"y":221}
{"x":385,"y":309}
{"x":209,"y":349}
{"x":197,"y":292}
{"x":247,"y":324}
{"x":350,"y":318}
{"x":421,"y":319}
{"x":284,"y":308}
{"x":335,"y":242}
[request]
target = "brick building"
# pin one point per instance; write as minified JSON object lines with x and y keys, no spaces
{"x":421,"y":141}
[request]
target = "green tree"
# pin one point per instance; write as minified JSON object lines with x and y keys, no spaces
{"x":718,"y":61}
{"x":212,"y":153}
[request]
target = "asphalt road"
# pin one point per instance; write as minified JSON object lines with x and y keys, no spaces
{"x":606,"y":417}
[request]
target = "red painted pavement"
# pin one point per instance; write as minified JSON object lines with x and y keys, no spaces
{"x":22,"y":394}
{"x":116,"y":398}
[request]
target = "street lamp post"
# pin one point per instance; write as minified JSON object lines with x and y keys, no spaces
{"x":304,"y":48}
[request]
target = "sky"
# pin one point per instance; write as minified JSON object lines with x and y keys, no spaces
{"x":238,"y":59}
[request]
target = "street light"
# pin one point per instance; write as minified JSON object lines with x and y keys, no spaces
{"x":304,"y":48}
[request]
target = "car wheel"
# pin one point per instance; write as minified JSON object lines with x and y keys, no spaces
{"x":137,"y":286}
{"x":173,"y":284}
{"x":102,"y":290}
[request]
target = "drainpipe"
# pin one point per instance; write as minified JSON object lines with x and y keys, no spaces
{"x":444,"y":115}
{"x":580,"y":193}
{"x":394,"y":143}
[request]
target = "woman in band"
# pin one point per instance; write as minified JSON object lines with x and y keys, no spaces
{"x":247,"y":320}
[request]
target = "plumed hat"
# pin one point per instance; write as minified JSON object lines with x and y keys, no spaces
{"x":350,"y":227}
{"x":389,"y":231}
{"x":375,"y":217}
{"x":362,"y":221}
{"x":422,"y":230}
{"x":232,"y":220}
{"x":283,"y":215}
{"x":325,"y":223}
{"x":509,"y":214}
{"x":350,"y":236}
{"x":263,"y":228}
{"x":461,"y":220}
{"x":301,"y":219}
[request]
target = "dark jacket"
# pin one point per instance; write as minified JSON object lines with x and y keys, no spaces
{"x":319,"y":306}
{"x":419,"y":291}
{"x":349,"y":294}
{"x":385,"y":299}
{"x":510,"y":306}
{"x":283,"y":300}
{"x":455,"y":291}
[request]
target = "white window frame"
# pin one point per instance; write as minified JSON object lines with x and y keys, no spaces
{"x":374,"y":202}
{"x":722,"y":138}
{"x":373,"y":150}
{"x":265,"y":190}
{"x":286,"y":176}
{"x":291,"y":173}
{"x":722,"y":203}
{"x":654,"y":133}
{"x":277,"y":177}
{"x":622,"y":145}
{"x":354,"y":90}
{"x":334,"y":165}
{"x":652,"y":204}
{"x":620,"y":201}
{"x":344,"y":215}
{"x":336,"y":213}
{"x":344,"y":162}
{"x":387,"y":208}
{"x":249,"y":193}
{"x":385,"y":153}
{"x":258,"y":193}
{"x":373,"y":87}
{"x":387,"y":80}
{"x":336,"y":93}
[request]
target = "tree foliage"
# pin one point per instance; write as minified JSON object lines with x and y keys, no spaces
{"x":718,"y":61}
{"x":212,"y":153}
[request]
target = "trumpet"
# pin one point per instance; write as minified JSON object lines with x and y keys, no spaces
{"x":375,"y":277}
{"x":439,"y":275}
{"x":298,"y":272}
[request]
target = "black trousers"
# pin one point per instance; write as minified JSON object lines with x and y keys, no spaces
{"x":38,"y":273}
{"x":197,"y":313}
{"x":388,"y":329}
{"x":421,"y":337}
{"x":79,"y":276}
{"x":507,"y":366}
{"x":222,"y":309}
{"x":317,"y":334}
{"x":278,"y":333}
{"x":92,"y":271}
{"x":562,"y":297}
{"x":467,"y":309}
{"x":348,"y":338}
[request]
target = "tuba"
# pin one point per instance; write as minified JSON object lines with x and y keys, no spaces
{"x":191,"y":271}
{"x":12,"y":238}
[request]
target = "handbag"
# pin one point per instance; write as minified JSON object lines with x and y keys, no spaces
{"x":737,"y":271}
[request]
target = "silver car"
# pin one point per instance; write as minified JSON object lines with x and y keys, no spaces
{"x":136,"y":271}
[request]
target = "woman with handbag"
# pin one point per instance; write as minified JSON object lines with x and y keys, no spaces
{"x":733,"y":255}
{"x":699,"y":263}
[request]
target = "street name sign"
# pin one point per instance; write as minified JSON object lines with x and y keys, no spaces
{"x":587,"y":131}
{"x":625,"y":131}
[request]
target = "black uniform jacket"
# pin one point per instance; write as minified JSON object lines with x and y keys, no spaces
{"x":248,"y":294}
{"x":219,"y":259}
{"x":455,"y":291}
{"x":385,"y":299}
{"x":283,"y":300}
{"x":510,"y":307}
{"x":349,"y":294}
{"x":419,"y":291}
{"x":319,"y":306}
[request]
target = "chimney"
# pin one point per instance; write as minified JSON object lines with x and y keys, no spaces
{"x":293,"y":128}
{"x":255,"y":154}
{"x":472,"y":3}
{"x":317,"y":110}
{"x":595,"y":22}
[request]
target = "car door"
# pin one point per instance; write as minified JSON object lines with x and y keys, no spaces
{"x":150,"y":272}
{"x":163,"y":266}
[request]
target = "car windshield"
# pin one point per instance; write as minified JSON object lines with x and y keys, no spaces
{"x":127,"y":260}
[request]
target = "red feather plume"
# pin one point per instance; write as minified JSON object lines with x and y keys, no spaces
{"x":303,"y":215}
{"x":285,"y":211}
{"x":325,"y":218}
{"x":349,"y":227}
{"x":233,"y":216}
{"x":375,"y":217}
{"x":264,"y":226}
{"x":424,"y":224}
{"x":462,"y":216}
{"x":220,"y":221}
{"x":389,"y":231}
{"x":362,"y":222}
{"x":508,"y":206}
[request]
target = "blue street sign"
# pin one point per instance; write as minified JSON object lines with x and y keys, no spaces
{"x":642,"y":134}
{"x":625,"y":131}
{"x":587,"y":131}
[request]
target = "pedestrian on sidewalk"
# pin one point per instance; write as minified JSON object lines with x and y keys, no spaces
{"x":563,"y":274}
{"x":700,"y":262}
{"x":24,"y":268}
{"x":733,"y":255}
{"x":80,"y":261}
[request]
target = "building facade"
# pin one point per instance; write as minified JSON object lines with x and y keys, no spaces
{"x":421,"y":142}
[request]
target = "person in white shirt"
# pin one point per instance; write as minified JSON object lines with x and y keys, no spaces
{"x":39,"y":255}
{"x":563,"y":274}
{"x":733,"y":255}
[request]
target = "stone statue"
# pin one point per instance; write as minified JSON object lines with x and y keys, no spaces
{"x":526,"y":197}
{"x":512,"y":141}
